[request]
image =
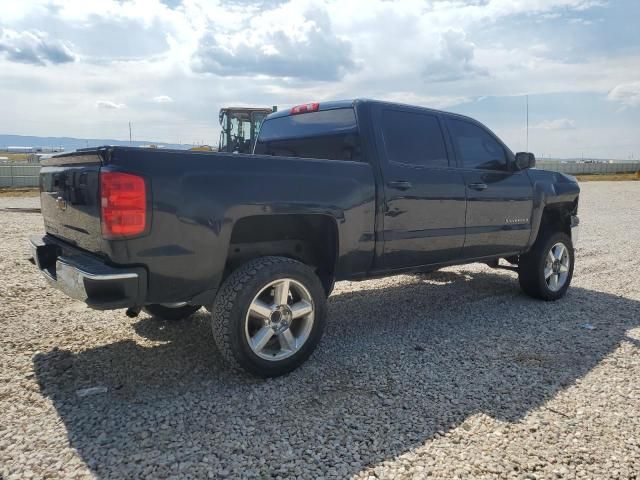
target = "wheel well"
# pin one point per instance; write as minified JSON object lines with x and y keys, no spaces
{"x":557,"y":218}
{"x":311,"y":239}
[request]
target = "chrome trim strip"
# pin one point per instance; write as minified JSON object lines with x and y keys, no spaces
{"x":98,"y":276}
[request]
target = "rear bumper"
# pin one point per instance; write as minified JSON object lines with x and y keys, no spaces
{"x":86,"y":277}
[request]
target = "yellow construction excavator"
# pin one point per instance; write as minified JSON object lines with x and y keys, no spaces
{"x":239,"y":128}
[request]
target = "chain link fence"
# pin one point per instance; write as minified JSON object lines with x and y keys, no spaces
{"x":573,"y":168}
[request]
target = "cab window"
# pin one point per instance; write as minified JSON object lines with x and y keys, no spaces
{"x":413,"y":138}
{"x":476,"y":147}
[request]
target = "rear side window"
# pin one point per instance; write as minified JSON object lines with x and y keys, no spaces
{"x":326,"y":134}
{"x":476,"y":147}
{"x":413,"y":138}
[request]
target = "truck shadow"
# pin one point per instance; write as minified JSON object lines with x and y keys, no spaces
{"x":397,"y":365}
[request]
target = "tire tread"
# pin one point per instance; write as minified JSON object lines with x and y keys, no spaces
{"x":528,"y":266}
{"x":221,"y":312}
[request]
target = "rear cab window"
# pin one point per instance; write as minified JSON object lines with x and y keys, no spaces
{"x":324,"y":134}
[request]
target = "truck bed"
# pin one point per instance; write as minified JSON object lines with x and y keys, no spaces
{"x":195,"y":200}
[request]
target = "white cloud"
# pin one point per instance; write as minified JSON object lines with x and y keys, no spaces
{"x":455,"y":61}
{"x":110,"y":105}
{"x":33,"y":47}
{"x":627,"y":93}
{"x":557,"y":124}
{"x":411,"y":98}
{"x":163,"y":99}
{"x":210,"y":54}
{"x":580,"y":21}
{"x":282,"y":43}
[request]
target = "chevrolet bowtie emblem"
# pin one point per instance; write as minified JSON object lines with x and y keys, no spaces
{"x":61,"y":203}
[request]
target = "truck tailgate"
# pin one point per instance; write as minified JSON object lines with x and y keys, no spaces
{"x":70,"y":198}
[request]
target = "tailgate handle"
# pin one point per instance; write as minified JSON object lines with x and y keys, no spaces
{"x":399,"y":185}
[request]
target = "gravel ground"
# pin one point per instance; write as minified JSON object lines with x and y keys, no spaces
{"x":455,"y":374}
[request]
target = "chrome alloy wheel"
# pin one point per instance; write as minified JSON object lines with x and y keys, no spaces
{"x":279,"y":319}
{"x":556,"y":267}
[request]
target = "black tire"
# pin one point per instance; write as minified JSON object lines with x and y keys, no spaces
{"x":171,"y":313}
{"x":329,"y":289}
{"x":232,"y":302}
{"x":531,"y":267}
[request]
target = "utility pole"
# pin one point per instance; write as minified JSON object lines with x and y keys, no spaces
{"x":527,"y":149}
{"x":129,"y":133}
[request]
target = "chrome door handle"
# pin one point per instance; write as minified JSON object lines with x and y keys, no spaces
{"x":478,"y":186}
{"x":399,"y":185}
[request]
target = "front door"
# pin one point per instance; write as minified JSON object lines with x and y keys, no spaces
{"x":424,"y":209}
{"x":499,"y":199}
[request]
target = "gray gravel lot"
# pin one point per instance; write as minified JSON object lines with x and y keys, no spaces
{"x":455,"y":374}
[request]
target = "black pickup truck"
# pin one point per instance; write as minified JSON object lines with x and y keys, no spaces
{"x":333,"y":191}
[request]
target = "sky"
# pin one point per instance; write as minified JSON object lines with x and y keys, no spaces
{"x":85,"y":69}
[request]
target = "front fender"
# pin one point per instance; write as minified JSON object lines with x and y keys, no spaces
{"x":550,"y":189}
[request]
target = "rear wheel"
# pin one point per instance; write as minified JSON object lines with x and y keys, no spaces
{"x":545,"y":271}
{"x":171,"y":312}
{"x":269,"y":316}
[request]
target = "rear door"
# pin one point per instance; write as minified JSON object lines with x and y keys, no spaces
{"x":424,"y":195}
{"x":499,"y":198}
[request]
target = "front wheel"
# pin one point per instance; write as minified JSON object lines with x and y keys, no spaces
{"x":545,"y":271}
{"x":269,"y":316}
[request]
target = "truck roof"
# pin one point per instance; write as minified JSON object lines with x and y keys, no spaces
{"x":329,"y":105}
{"x":333,"y":104}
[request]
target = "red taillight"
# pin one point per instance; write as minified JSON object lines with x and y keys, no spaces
{"x":306,"y":108}
{"x":123,"y":201}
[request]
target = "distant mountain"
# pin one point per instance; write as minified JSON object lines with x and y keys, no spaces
{"x":70,"y":144}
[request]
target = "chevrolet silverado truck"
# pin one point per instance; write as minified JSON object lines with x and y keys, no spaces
{"x":343,"y":190}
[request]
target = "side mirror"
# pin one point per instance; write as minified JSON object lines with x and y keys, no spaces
{"x":525,"y":160}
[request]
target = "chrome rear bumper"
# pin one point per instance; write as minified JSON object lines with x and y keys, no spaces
{"x":86,"y":277}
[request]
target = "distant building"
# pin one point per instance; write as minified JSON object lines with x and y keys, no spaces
{"x":14,"y":149}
